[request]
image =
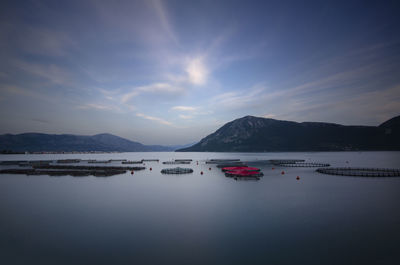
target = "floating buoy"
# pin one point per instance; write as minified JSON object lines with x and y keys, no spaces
{"x":283,"y":172}
{"x":273,"y":168}
{"x":151,"y":169}
{"x":132,"y":172}
{"x":297,"y":177}
{"x":209,"y":168}
{"x":201,"y":172}
{"x":347,"y":162}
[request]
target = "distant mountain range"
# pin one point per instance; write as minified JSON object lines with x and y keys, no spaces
{"x":39,"y":142}
{"x":254,"y":134}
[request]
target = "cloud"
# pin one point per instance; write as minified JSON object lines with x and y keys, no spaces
{"x":165,"y":24}
{"x":12,"y":89}
{"x":197,"y":71}
{"x":240,"y":99}
{"x":50,"y":72}
{"x":96,"y":106}
{"x":270,"y":116}
{"x":185,"y":117}
{"x":156,"y":88}
{"x":183,"y":108}
{"x":159,"y":120}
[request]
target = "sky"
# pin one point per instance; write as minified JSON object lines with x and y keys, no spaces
{"x":172,"y":72}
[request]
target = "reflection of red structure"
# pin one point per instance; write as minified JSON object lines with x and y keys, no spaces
{"x":240,"y":168}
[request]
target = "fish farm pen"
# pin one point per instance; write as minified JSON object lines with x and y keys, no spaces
{"x":302,"y":164}
{"x":66,"y":161}
{"x":74,"y":173}
{"x":286,"y":161}
{"x":360,"y":172}
{"x":87,"y":167}
{"x":177,"y":170}
{"x":175,"y":162}
{"x":236,"y":164}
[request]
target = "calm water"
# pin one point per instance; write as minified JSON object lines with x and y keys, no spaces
{"x":149,"y":218}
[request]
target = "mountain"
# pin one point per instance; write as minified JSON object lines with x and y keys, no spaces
{"x":37,"y":142}
{"x":254,"y":134}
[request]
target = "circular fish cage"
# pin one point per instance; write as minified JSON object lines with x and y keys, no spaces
{"x":243,"y":173}
{"x":360,"y":172}
{"x":177,"y":170}
{"x":302,"y":164}
{"x":285,"y":161}
{"x":176,"y":162}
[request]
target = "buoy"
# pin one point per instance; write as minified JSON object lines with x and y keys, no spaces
{"x":273,"y":168}
{"x":283,"y":172}
{"x":209,"y":168}
{"x":347,"y":162}
{"x":132,"y":172}
{"x":151,"y":169}
{"x":201,"y":172}
{"x":297,"y":177}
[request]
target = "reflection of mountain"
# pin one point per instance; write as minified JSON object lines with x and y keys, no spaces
{"x":253,"y":134}
{"x":36,"y":142}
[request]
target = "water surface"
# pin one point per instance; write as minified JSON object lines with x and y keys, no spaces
{"x":150,"y":218}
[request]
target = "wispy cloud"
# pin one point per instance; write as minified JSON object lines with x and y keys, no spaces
{"x":20,"y":91}
{"x":156,"y":119}
{"x":183,"y":108}
{"x":156,"y":88}
{"x":50,"y":72}
{"x":96,"y":106}
{"x":241,"y":98}
{"x":185,"y":117}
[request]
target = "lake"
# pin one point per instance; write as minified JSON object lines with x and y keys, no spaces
{"x":150,"y":218}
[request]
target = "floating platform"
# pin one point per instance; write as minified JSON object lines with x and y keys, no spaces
{"x":131,"y":162}
{"x":228,"y":159}
{"x":99,"y":162}
{"x":286,"y":161}
{"x":176,"y":162}
{"x":360,"y":172}
{"x":189,"y":160}
{"x":240,"y":168}
{"x":220,"y":161}
{"x":67,"y":161}
{"x":150,"y":160}
{"x":236,"y":164}
{"x":302,"y":164}
{"x":243,"y":173}
{"x":74,"y":173}
{"x":87,"y":167}
{"x":177,"y":170}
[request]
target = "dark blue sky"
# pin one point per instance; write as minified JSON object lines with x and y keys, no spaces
{"x":171,"y":72}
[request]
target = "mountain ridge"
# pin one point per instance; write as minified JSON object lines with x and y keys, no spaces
{"x":256,"y":134}
{"x":41,"y":142}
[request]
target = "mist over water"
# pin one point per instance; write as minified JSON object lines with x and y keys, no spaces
{"x":150,"y":218}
